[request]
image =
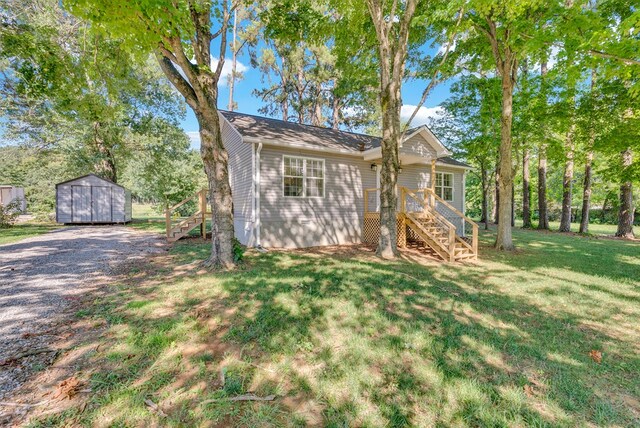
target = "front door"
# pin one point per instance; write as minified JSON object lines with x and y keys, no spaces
{"x":80,"y":204}
{"x":101,"y":204}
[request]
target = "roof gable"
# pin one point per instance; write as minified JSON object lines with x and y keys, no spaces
{"x":89,"y":175}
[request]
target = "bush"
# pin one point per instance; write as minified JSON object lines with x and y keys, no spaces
{"x":9,"y":213}
{"x":238,"y":251}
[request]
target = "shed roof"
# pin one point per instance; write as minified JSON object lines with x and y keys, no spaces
{"x":266,"y":128}
{"x":90,"y":175}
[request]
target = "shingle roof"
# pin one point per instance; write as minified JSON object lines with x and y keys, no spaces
{"x":315,"y":136}
{"x":453,"y":162}
{"x":295,"y":133}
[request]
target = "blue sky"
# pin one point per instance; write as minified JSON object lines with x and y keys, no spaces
{"x":248,"y":103}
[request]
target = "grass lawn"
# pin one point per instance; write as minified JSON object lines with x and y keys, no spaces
{"x":21,"y":231}
{"x":345,"y":339}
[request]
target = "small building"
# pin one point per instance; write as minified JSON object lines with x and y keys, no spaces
{"x":92,"y":199}
{"x":9,"y":194}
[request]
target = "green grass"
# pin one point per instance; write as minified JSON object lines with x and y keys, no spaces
{"x":594,"y":229}
{"x":22,"y":231}
{"x":345,"y":339}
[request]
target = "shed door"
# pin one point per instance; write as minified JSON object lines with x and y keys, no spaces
{"x":101,"y":204}
{"x":80,"y":204}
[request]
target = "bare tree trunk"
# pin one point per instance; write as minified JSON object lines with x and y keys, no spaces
{"x":496,"y":197}
{"x":198,"y":83}
{"x":215,"y":159}
{"x":586,"y":192}
{"x":234,"y":62}
{"x":387,"y":246}
{"x":513,"y":206}
{"x":335,"y":113}
{"x":105,"y":165}
{"x":484,"y":216}
{"x":567,"y":182}
{"x":494,"y":201}
{"x":526,"y":190}
{"x":543,"y":214}
{"x":625,"y":216}
{"x":503,"y":239}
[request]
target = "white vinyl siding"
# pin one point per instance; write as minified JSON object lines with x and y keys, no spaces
{"x":302,"y":177}
{"x":241,"y":180}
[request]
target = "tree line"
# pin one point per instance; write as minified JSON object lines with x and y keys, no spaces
{"x":535,"y":84}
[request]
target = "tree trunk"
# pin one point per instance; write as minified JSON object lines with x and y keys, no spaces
{"x":625,"y":216}
{"x":335,"y":113}
{"x":586,"y":193}
{"x":513,"y":206}
{"x":215,"y":159}
{"x":234,"y":62}
{"x":496,"y":196}
{"x":503,"y":239}
{"x":543,"y":214}
{"x":526,"y":190}
{"x":484,"y":217}
{"x":105,"y":165}
{"x":567,"y":182}
{"x":387,"y":246}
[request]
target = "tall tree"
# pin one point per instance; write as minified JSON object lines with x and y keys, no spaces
{"x":182,"y":35}
{"x":543,"y":214}
{"x":625,"y":216}
{"x":393,"y":43}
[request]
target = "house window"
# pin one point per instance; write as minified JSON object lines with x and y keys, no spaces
{"x":444,"y":185}
{"x":303,"y":177}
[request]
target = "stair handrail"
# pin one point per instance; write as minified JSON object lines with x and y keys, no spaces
{"x":433,"y":212}
{"x":201,"y":211}
{"x":474,"y":225}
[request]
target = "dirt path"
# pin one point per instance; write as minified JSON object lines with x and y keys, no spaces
{"x":42,"y":279}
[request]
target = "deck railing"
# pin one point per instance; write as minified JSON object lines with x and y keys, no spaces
{"x":425,"y":202}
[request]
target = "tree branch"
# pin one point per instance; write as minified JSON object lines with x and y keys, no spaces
{"x":176,"y":78}
{"x":434,"y":79}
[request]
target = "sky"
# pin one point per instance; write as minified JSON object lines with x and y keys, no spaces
{"x":248,"y":103}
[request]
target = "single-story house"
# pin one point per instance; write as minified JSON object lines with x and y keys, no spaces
{"x":297,"y":186}
{"x":92,"y":199}
{"x":9,"y":194}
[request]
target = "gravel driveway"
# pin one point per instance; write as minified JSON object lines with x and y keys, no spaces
{"x":42,"y":277}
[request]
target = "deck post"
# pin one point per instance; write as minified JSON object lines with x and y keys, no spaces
{"x":474,"y":242}
{"x":452,"y":244}
{"x":202,"y":202}
{"x":433,"y":182}
{"x":366,"y":201}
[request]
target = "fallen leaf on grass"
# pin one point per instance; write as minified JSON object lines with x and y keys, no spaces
{"x":68,"y":388}
{"x":154,"y":408}
{"x":528,"y":390}
{"x":596,"y":356}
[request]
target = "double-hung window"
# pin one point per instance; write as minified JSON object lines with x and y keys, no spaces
{"x":444,"y":185}
{"x":303,"y":177}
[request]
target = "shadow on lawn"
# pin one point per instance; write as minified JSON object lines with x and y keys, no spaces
{"x":346,"y":340}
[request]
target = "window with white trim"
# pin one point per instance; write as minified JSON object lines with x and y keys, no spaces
{"x":303,"y":177}
{"x":444,"y":185}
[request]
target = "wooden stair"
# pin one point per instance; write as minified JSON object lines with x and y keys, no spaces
{"x":435,"y":231}
{"x":183,"y":228}
{"x":180,"y":227}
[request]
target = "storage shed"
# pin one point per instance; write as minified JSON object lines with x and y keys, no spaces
{"x":91,"y":199}
{"x":9,"y":193}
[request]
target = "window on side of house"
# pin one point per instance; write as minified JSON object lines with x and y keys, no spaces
{"x":303,"y":177}
{"x":444,"y":185}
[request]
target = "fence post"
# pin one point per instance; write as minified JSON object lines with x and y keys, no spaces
{"x":474,"y":241}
